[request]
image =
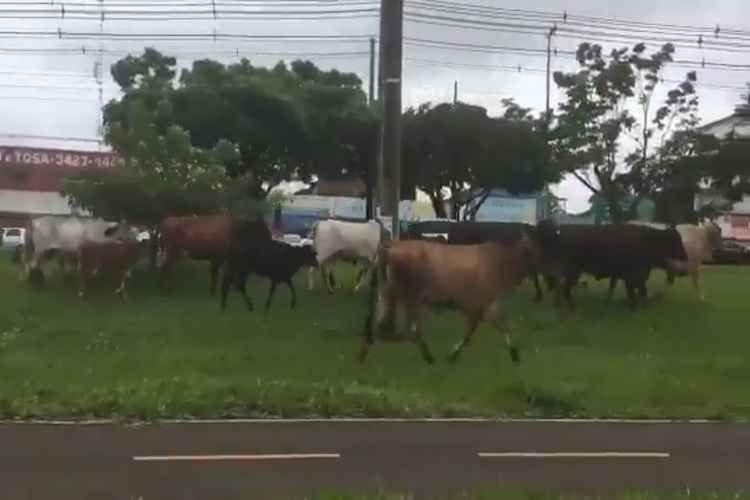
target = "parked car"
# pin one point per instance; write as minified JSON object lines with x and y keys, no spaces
{"x":12,"y":236}
{"x":731,"y":252}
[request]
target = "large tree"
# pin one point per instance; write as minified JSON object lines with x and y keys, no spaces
{"x":458,"y":149}
{"x":290,"y":122}
{"x":609,"y":129}
{"x":161,"y":173}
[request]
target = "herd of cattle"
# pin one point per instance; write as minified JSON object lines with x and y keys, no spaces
{"x":473,"y":268}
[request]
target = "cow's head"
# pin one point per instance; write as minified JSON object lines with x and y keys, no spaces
{"x":308,"y":256}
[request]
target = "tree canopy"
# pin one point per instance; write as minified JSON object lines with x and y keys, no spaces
{"x":613,"y":136}
{"x":461,"y":149}
{"x":220,"y":135}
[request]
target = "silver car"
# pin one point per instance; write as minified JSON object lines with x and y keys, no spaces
{"x":12,"y":236}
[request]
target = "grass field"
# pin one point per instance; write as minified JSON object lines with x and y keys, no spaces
{"x":529,"y":495}
{"x":172,"y":354}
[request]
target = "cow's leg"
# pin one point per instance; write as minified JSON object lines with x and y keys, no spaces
{"x":290,"y":284}
{"x":695,"y":275}
{"x":362,"y":274}
{"x":472,"y":322}
{"x":642,"y":292}
{"x":414,"y":320}
{"x":82,"y":283}
{"x":324,"y":274}
{"x":537,"y":286}
{"x":226,"y":282}
{"x":271,"y":291}
{"x":332,"y":280}
{"x":612,"y":286}
{"x":241,"y":285}
{"x":631,"y":286}
{"x":310,"y":278}
{"x":123,"y":283}
{"x":215,"y":266}
{"x":570,"y":281}
{"x":495,"y":317}
{"x":670,"y":276}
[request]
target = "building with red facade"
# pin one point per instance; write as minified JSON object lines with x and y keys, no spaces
{"x":31,"y":180}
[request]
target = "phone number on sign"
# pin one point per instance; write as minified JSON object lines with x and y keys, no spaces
{"x":57,"y":159}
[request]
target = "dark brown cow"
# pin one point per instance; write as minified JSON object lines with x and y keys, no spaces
{"x":626,"y":252}
{"x":204,"y":237}
{"x":474,"y":278}
{"x":110,"y":257}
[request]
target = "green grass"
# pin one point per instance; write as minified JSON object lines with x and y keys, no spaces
{"x":539,"y":495}
{"x":174,"y":355}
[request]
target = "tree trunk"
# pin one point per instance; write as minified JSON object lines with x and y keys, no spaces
{"x":472,"y":214}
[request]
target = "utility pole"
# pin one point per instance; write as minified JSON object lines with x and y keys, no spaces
{"x":552,"y":31}
{"x":392,"y":31}
{"x":455,"y":92}
{"x":371,"y":180}
{"x":380,"y":190}
{"x":371,"y":93}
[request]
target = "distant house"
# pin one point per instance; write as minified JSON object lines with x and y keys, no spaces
{"x":735,"y":221}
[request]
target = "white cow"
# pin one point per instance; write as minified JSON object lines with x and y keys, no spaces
{"x":699,"y":243}
{"x":339,"y":240}
{"x":62,"y":236}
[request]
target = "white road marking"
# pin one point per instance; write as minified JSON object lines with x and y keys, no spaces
{"x":226,"y":458}
{"x":593,"y":454}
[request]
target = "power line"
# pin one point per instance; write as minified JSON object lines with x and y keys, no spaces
{"x":488,"y":67}
{"x":564,"y":32}
{"x":47,"y":137}
{"x":115,"y":36}
{"x":525,"y":69}
{"x":43,"y":87}
{"x":206,"y":12}
{"x":565,"y":17}
{"x":524,"y":51}
{"x":44,"y":98}
{"x":84,"y":51}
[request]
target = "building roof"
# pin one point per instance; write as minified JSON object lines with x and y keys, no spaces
{"x":737,"y":123}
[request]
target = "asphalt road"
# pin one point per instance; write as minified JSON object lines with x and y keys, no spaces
{"x":254,"y":460}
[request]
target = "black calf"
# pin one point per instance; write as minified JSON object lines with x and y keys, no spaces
{"x":274,"y":260}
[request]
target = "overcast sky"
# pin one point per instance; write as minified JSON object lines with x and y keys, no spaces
{"x":56,"y":95}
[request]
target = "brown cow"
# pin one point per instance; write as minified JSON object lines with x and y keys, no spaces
{"x":475,"y":278}
{"x":204,"y":237}
{"x":113,"y":257}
